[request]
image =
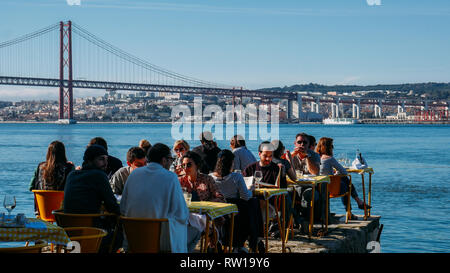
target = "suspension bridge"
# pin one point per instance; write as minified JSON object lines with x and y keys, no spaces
{"x":67,"y":56}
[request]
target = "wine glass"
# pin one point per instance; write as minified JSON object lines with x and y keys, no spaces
{"x":258,"y":177}
{"x":9,"y":203}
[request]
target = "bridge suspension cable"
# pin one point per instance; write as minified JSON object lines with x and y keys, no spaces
{"x":142,"y":64}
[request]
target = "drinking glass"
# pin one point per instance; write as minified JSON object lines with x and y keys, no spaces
{"x":9,"y":203}
{"x":258,"y":177}
{"x":187,"y":197}
{"x":299,"y":173}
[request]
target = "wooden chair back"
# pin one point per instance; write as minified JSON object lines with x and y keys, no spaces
{"x":89,"y":238}
{"x":143,"y":234}
{"x":78,"y":220}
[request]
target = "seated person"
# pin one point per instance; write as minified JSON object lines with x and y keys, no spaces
{"x":269,"y":169}
{"x":202,"y":186}
{"x":247,"y":223}
{"x":88,"y":190}
{"x":154,"y":192}
{"x":242,"y":156}
{"x":207,"y":151}
{"x":303,"y":158}
{"x":278,"y":159}
{"x":180,"y":147}
{"x":113,"y":162}
{"x":135,"y":159}
{"x":329,"y":164}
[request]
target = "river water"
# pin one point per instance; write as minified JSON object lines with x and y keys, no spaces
{"x":410,"y":189}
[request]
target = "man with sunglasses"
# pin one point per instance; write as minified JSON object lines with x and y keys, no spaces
{"x":305,"y":159}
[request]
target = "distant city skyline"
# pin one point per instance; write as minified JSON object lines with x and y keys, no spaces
{"x":256,"y":44}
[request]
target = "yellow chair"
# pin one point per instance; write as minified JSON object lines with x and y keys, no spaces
{"x":85,"y":220}
{"x":143,"y":234}
{"x":89,"y":238}
{"x":334,"y":189}
{"x":24,"y":249}
{"x":46,"y":202}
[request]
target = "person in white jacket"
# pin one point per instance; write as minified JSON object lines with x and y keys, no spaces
{"x":155,"y":192}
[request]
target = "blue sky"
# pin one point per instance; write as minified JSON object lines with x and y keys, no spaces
{"x":260,"y":43}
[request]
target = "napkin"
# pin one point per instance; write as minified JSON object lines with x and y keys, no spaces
{"x":357,"y":164}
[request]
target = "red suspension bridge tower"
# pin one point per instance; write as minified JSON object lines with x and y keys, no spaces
{"x":65,"y":70}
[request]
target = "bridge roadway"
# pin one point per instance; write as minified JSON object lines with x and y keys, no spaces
{"x":208,"y":91}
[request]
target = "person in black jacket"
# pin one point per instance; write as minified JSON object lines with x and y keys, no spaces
{"x":88,"y":191}
{"x":208,"y":152}
{"x":113,"y":162}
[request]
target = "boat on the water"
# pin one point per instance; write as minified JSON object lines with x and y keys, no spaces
{"x":340,"y":121}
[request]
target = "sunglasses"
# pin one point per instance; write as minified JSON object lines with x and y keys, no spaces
{"x":302,"y":142}
{"x":179,"y":150}
{"x":187,"y":165}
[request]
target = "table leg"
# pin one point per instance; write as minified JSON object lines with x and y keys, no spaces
{"x":326,"y":208}
{"x":230,"y":248}
{"x":284,"y":223}
{"x":311,"y":213}
{"x":370,"y":191}
{"x":205,"y":247}
{"x":267,"y":225}
{"x":291,"y":219}
{"x":215,"y":236}
{"x":364,"y":196}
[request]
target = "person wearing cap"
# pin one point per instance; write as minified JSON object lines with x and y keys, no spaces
{"x":88,"y":191}
{"x":208,"y":151}
{"x":114,"y":164}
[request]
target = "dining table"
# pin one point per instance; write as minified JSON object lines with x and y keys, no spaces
{"x":363,"y":171}
{"x":214,"y":210}
{"x":267,"y":194}
{"x":32,"y":230}
{"x":313,"y":181}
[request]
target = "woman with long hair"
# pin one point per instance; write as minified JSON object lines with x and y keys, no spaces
{"x":52,"y":173}
{"x":233,"y":187}
{"x":330,"y":166}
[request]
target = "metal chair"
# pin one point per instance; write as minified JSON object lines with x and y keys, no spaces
{"x":143,"y":234}
{"x":24,"y":249}
{"x":334,"y":191}
{"x":88,"y":238}
{"x":47,"y":201}
{"x":85,"y":220}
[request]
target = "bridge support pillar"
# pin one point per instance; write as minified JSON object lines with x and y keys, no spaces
{"x":291,"y":110}
{"x":65,"y":61}
{"x":355,"y":110}
{"x":299,"y":107}
{"x":315,"y":106}
{"x":425,"y":106}
{"x":377,"y":110}
{"x":335,"y":109}
{"x":401,"y":108}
